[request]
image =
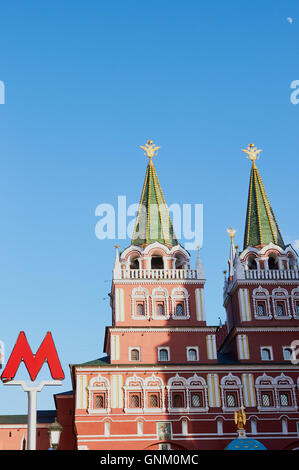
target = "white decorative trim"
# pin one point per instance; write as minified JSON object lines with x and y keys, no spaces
{"x":140,"y":294}
{"x":180,"y":295}
{"x":261,"y":294}
{"x":96,"y":385}
{"x":231,"y":383}
{"x":160,"y":294}
{"x":197,"y":353}
{"x":281,"y":295}
{"x":294,"y":299}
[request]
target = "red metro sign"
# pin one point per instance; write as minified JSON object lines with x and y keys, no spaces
{"x":33,"y":362}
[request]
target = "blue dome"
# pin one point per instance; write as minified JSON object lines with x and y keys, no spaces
{"x":245,"y":444}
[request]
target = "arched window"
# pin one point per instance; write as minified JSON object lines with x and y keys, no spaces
{"x":281,"y":309}
{"x":177,"y":401}
{"x":135,"y":401}
{"x":134,"y":355}
{"x":99,"y":395}
{"x":192,"y":354}
{"x":287,"y":353}
{"x":261,"y":304}
{"x":163,"y":354}
{"x":231,"y":392}
{"x":266,"y":354}
{"x":153,"y":401}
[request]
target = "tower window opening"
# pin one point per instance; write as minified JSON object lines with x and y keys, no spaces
{"x":154,"y":402}
{"x":177,"y":401}
{"x":195,"y":400}
{"x":157,"y":262}
{"x":272,"y":263}
{"x":251,"y":263}
{"x":179,"y":309}
{"x":135,"y":401}
{"x":99,"y":401}
{"x":134,"y":264}
{"x":266,"y":354}
{"x":163,"y":355}
{"x":280,"y":309}
{"x":261,"y":311}
{"x":140,"y":309}
{"x":266,"y":399}
{"x":160,"y":309}
{"x":135,"y":355}
{"x":287,"y":354}
{"x":231,"y":400}
{"x":192,"y":354}
{"x":284,"y":399}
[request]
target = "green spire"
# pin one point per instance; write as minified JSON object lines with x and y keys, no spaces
{"x":261,"y":227}
{"x":153,"y":221}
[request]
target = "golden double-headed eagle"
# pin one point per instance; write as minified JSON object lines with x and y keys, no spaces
{"x":240,"y":418}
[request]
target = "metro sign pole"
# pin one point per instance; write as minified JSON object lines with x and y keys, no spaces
{"x":22,"y":352}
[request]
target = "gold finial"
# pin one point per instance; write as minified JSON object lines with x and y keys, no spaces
{"x":252,"y":152}
{"x":232,"y":233}
{"x":150,"y":150}
{"x":116,"y":246}
{"x":240,"y":418}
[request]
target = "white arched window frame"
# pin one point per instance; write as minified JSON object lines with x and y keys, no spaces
{"x":180,"y":295}
{"x":231,"y":385}
{"x":134,"y":386}
{"x":177,"y":386}
{"x":99,"y":386}
{"x":295,"y":302}
{"x":197,"y":386}
{"x":261,"y":297}
{"x":140,"y":295}
{"x":154,"y":385}
{"x":285,"y":387}
{"x":264,"y":386}
{"x":160,"y":295}
{"x":280,"y":299}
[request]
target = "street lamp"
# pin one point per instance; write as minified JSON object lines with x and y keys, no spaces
{"x":54,"y":431}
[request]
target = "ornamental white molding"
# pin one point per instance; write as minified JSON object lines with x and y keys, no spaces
{"x":261,"y":294}
{"x":139,"y":294}
{"x":154,"y":246}
{"x":99,"y":384}
{"x":275,"y":386}
{"x":160,"y":294}
{"x":128,"y":250}
{"x":294,"y":299}
{"x":231,"y":383}
{"x":180,"y":294}
{"x":282,"y":295}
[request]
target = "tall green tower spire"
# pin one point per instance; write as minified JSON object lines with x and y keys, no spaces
{"x":261,"y":227}
{"x":153,"y":221}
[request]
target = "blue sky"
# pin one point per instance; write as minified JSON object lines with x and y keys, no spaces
{"x":86,"y":83}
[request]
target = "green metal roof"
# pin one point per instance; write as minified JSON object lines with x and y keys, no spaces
{"x":153,"y":221}
{"x":261,"y":227}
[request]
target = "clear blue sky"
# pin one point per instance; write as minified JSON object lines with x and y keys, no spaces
{"x":86,"y":83}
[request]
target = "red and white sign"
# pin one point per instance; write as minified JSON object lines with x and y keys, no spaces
{"x":33,"y":362}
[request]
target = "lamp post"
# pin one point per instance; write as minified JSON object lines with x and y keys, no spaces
{"x":54,"y":431}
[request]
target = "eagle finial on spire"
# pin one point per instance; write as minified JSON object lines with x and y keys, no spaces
{"x":252,"y":152}
{"x":149,"y":149}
